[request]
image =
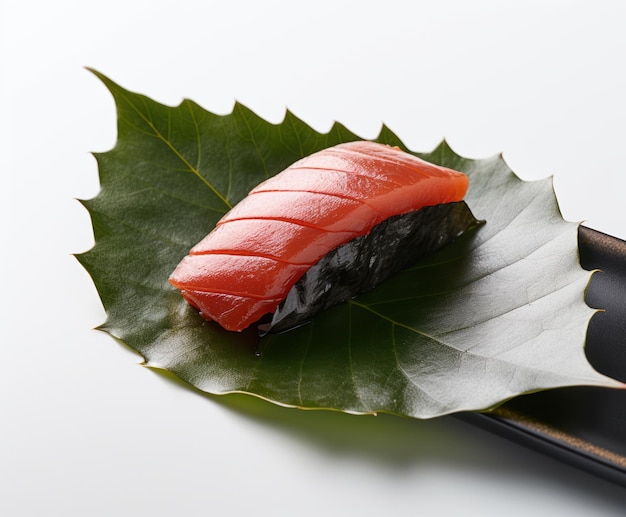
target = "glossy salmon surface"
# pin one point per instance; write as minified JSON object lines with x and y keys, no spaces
{"x":245,"y":267}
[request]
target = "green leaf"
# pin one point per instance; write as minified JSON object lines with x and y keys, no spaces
{"x":498,"y":313}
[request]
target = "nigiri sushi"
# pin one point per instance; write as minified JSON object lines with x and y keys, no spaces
{"x":267,"y":255}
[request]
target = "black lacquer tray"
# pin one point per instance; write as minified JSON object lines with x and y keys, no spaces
{"x":583,"y":426}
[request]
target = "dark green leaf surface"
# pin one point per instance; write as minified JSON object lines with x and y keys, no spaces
{"x":498,"y":313}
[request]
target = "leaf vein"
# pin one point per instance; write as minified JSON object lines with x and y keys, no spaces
{"x":173,"y":148}
{"x":256,"y":146}
{"x":456,"y":287}
{"x":142,"y":231}
{"x":151,"y":186}
{"x":230,"y":159}
{"x":354,"y":384}
{"x":198,"y":140}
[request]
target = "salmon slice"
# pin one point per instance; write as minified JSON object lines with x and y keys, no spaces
{"x":245,"y":267}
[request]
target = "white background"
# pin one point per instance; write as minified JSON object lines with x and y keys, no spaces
{"x":85,"y":431}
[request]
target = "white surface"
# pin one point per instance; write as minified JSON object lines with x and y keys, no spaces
{"x":85,"y":431}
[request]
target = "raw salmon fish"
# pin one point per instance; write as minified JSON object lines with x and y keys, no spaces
{"x":245,"y":267}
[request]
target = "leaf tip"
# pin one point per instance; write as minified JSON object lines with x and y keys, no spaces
{"x":114,"y":88}
{"x":445,"y":147}
{"x":387,"y":136}
{"x":98,"y":74}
